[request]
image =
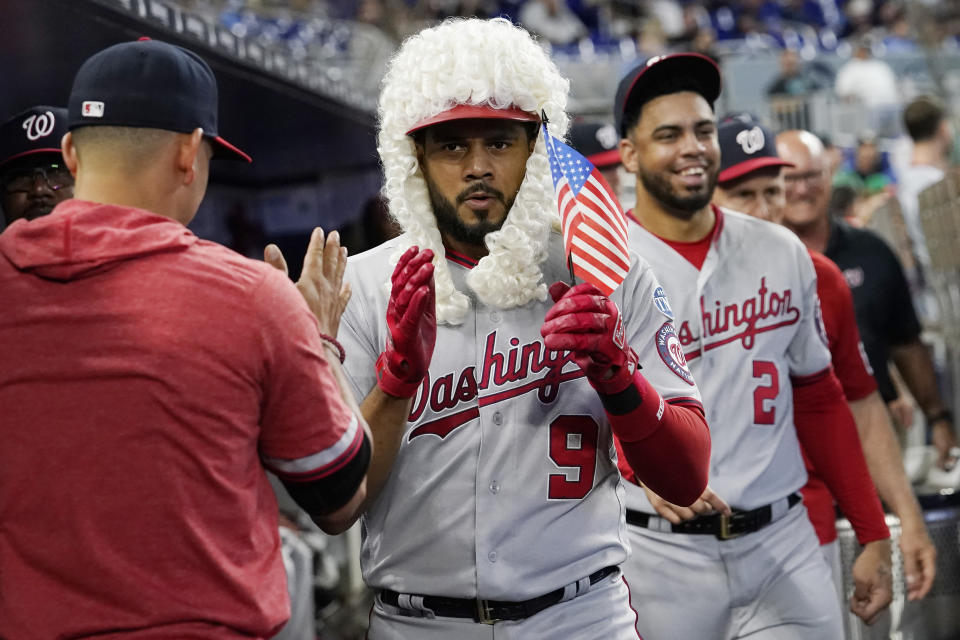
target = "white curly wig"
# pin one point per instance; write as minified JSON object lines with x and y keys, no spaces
{"x":477,"y":62}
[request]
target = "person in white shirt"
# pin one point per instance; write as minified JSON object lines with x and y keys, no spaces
{"x":867,"y":79}
{"x":925,"y":120}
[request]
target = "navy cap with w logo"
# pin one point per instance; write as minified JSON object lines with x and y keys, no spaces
{"x":150,"y":84}
{"x":35,"y":130}
{"x":745,"y":146}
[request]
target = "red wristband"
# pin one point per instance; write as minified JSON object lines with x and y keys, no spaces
{"x":391,"y":384}
{"x":333,"y":341}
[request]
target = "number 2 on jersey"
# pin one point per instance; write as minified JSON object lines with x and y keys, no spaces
{"x":766,"y":390}
{"x":573,"y":443}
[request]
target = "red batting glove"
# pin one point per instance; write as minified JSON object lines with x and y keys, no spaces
{"x":412,"y":321}
{"x":589,"y":324}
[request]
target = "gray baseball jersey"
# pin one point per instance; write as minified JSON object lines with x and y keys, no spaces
{"x":748,"y":321}
{"x":505,"y":486}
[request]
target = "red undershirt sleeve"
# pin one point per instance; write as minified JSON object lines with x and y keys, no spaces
{"x":828,"y":434}
{"x":664,"y":446}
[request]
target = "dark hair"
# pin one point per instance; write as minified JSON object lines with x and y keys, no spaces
{"x":666,"y":86}
{"x":923,"y":116}
{"x":841,"y":199}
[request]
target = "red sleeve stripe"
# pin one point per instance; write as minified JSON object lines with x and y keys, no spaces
{"x":322,"y":463}
{"x":801,"y":381}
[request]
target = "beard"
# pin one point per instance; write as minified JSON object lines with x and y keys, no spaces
{"x":450,"y":224}
{"x":680,"y":206}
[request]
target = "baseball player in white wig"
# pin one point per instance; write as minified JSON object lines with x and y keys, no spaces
{"x":495,"y":505}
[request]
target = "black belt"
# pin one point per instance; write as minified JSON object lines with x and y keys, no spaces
{"x":722,"y":526}
{"x":489,"y":611}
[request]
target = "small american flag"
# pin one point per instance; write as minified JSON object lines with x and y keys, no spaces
{"x":594,"y":226}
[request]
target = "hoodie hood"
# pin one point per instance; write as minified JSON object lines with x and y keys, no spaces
{"x":80,"y":238}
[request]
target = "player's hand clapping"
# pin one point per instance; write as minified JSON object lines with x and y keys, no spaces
{"x":587,"y":323}
{"x":412,"y":320}
{"x":321,"y":279}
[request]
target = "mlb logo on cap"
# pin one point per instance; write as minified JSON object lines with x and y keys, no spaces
{"x":35,"y":130}
{"x":92,"y":109}
{"x":149,"y":84}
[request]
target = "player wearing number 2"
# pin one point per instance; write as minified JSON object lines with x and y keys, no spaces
{"x":504,"y":505}
{"x":747,"y":316}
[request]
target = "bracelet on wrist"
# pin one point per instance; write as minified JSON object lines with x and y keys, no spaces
{"x":333,"y":342}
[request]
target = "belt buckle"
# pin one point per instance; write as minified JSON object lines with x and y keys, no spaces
{"x":485,"y":612}
{"x":725,"y":533}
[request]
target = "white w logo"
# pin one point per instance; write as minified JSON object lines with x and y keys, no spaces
{"x":38,"y":126}
{"x":751,"y":140}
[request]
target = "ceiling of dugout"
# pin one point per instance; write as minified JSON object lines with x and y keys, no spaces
{"x":293,"y":133}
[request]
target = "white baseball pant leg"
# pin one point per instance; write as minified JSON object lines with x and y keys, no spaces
{"x":772,"y":584}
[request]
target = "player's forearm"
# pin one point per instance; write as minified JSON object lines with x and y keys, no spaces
{"x":344,"y":387}
{"x":915,"y":365}
{"x":387,"y":417}
{"x":882,"y":452}
{"x":829,"y":436}
{"x":666,"y":446}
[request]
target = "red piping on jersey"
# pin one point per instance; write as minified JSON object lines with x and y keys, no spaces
{"x":493,"y":398}
{"x":444,"y":426}
{"x":460,"y":259}
{"x":800,"y":381}
{"x":739,"y":336}
{"x":636,"y":614}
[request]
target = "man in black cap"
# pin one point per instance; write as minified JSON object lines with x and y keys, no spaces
{"x":156,"y":376}
{"x":744,"y":302}
{"x":751,"y":181}
{"x":33,"y":177}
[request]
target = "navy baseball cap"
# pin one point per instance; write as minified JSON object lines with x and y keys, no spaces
{"x":35,"y":130}
{"x":645,"y":82}
{"x":597,"y":142}
{"x":148,"y":83}
{"x":745,"y":146}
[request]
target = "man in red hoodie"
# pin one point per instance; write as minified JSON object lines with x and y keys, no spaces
{"x":151,"y":376}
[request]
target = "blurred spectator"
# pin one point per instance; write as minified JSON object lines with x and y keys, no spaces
{"x":695,"y":18}
{"x":841,"y":205}
{"x":813,"y":12}
{"x":859,"y":18}
{"x":792,"y":80}
{"x":899,"y":38}
{"x":652,"y":39}
{"x":832,"y":155}
{"x":440,"y":9}
{"x":703,"y":43}
{"x":926,"y":121}
{"x":553,"y":20}
{"x":868,"y":172}
{"x":867,"y":79}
